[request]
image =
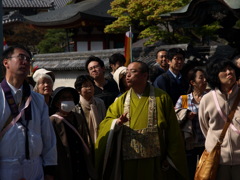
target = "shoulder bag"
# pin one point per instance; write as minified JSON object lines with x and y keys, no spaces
{"x":208,"y":164}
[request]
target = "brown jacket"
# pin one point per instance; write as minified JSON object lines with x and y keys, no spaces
{"x":64,"y":167}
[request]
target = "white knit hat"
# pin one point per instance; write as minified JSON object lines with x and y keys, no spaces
{"x":38,"y":73}
{"x":118,"y":74}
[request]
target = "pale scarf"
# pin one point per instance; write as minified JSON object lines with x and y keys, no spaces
{"x":92,"y":117}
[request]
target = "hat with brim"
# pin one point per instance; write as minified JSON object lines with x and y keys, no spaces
{"x":118,"y":74}
{"x":57,"y":92}
{"x":38,"y":73}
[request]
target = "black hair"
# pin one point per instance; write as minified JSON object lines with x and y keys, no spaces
{"x":214,"y":67}
{"x":9,"y":51}
{"x":81,"y":80}
{"x":154,"y":72}
{"x":173,"y":52}
{"x":94,"y":58}
{"x":192,"y":76}
{"x":160,"y":51}
{"x":117,"y":57}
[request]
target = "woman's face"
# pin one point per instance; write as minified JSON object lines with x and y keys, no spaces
{"x":45,"y":86}
{"x":87,"y":90}
{"x":227,"y":77}
{"x":64,"y":96}
{"x":200,"y":81}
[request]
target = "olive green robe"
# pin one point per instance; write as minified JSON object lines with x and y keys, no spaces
{"x":171,"y":141}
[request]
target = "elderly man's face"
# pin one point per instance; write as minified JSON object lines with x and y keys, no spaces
{"x":134,"y":76}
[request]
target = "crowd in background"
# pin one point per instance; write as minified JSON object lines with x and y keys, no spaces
{"x":137,"y":122}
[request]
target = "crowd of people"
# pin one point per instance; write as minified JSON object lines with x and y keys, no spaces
{"x":137,"y":122}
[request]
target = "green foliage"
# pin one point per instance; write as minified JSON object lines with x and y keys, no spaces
{"x":54,"y":41}
{"x":144,"y":18}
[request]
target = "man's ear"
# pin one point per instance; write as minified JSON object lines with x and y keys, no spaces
{"x":5,"y":63}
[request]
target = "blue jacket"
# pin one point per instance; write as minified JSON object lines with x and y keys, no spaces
{"x":173,"y":86}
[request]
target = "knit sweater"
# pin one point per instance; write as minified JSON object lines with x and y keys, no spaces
{"x":212,"y":124}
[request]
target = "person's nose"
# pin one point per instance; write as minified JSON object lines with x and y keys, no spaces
{"x":128,"y":74}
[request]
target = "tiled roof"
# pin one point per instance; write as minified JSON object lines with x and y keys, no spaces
{"x":12,"y":17}
{"x":71,"y":60}
{"x":76,"y":60}
{"x":201,"y":12}
{"x":34,"y":3}
{"x":60,"y":3}
{"x":25,"y":4}
{"x":71,"y":13}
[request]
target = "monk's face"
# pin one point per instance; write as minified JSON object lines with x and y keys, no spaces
{"x":134,"y":76}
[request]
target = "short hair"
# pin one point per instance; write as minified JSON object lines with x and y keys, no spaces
{"x":10,"y":50}
{"x":81,"y":80}
{"x":143,"y":67}
{"x":173,"y":52}
{"x":117,"y":57}
{"x":154,"y":72}
{"x":214,"y":67}
{"x":94,"y":58}
{"x":160,"y":51}
{"x":41,"y":77}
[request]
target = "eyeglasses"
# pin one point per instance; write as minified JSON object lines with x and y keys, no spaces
{"x":93,"y":67}
{"x":163,"y":56}
{"x":22,"y":57}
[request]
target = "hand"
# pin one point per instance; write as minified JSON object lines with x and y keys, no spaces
{"x":122,"y":119}
{"x":191,"y":115}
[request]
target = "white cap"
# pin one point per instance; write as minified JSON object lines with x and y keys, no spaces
{"x":38,"y":73}
{"x":118,"y":74}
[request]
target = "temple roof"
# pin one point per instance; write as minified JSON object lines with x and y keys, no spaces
{"x":200,"y":12}
{"x":71,"y":60}
{"x":12,"y":17}
{"x":71,"y":13}
{"x":76,"y":60}
{"x":25,"y":4}
{"x":15,"y":4}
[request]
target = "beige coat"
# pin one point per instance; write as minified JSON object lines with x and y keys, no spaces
{"x":211,"y":124}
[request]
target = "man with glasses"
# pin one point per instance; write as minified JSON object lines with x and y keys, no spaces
{"x":172,"y":81}
{"x":104,"y":89}
{"x":140,"y":136}
{"x":27,"y":139}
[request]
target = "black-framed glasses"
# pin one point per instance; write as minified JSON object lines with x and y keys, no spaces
{"x":94,"y":67}
{"x":22,"y":57}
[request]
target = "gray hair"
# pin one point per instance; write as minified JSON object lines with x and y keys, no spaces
{"x":42,"y":76}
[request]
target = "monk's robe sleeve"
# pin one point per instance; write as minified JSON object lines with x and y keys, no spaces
{"x":114,"y":112}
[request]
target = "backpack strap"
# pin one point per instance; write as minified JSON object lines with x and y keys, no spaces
{"x":184,"y":101}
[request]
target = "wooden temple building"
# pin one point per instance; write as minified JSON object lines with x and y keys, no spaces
{"x":87,"y":19}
